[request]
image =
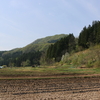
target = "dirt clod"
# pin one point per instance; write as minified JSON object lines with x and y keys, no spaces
{"x":50,"y":89}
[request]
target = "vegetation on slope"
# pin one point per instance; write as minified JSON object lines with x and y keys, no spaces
{"x":28,"y":55}
{"x":89,"y":37}
{"x":66,"y":44}
{"x":88,"y":58}
{"x":58,"y":48}
{"x":43,"y":43}
{"x":49,"y":39}
{"x":66,"y":56}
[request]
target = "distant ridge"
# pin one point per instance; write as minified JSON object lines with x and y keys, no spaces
{"x":49,"y":39}
{"x":43,"y":43}
{"x":38,"y":45}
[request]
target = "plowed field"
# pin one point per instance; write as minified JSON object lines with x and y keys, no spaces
{"x":50,"y":89}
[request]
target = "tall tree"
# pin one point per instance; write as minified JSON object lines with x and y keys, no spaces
{"x":66,"y":44}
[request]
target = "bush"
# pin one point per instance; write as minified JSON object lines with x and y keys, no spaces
{"x":97,"y":64}
{"x":89,"y":64}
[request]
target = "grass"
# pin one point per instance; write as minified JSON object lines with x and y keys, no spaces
{"x":47,"y":70}
{"x":90,"y":59}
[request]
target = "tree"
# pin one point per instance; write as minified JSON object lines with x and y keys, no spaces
{"x":56,"y":50}
{"x":90,"y":35}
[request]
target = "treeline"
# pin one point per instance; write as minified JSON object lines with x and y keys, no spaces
{"x":89,"y":36}
{"x":66,"y":44}
{"x":20,"y":59}
{"x":29,"y":55}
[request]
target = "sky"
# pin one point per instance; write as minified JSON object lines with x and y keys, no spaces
{"x":24,"y":21}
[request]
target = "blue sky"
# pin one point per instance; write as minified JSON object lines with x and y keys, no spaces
{"x":23,"y":21}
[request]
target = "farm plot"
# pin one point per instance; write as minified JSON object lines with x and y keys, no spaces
{"x":50,"y":89}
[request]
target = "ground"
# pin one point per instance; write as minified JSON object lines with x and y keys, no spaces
{"x":87,"y":88}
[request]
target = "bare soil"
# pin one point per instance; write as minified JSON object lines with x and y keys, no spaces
{"x":50,"y":89}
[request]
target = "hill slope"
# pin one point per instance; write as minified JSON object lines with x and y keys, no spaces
{"x":39,"y":44}
{"x":87,"y":58}
{"x":43,"y":43}
{"x":49,"y":39}
{"x":29,"y":54}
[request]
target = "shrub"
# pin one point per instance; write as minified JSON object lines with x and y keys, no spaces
{"x":89,"y":64}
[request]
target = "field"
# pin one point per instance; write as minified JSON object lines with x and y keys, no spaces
{"x":50,"y":83}
{"x":50,"y":89}
{"x":47,"y":71}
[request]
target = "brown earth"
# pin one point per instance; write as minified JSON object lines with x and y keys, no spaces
{"x":50,"y":76}
{"x":50,"y":89}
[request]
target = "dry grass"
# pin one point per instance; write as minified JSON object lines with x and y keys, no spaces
{"x":88,"y":58}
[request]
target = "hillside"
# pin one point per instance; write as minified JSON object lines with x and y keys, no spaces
{"x":39,"y":44}
{"x":30,"y":53}
{"x":87,"y":58}
{"x":57,"y":51}
{"x":43,"y":43}
{"x":49,"y":39}
{"x":85,"y":52}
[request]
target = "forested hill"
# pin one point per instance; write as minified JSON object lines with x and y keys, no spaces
{"x":49,"y":39}
{"x":39,"y":44}
{"x":56,"y":47}
{"x":89,"y":36}
{"x":43,"y":43}
{"x":30,"y":54}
